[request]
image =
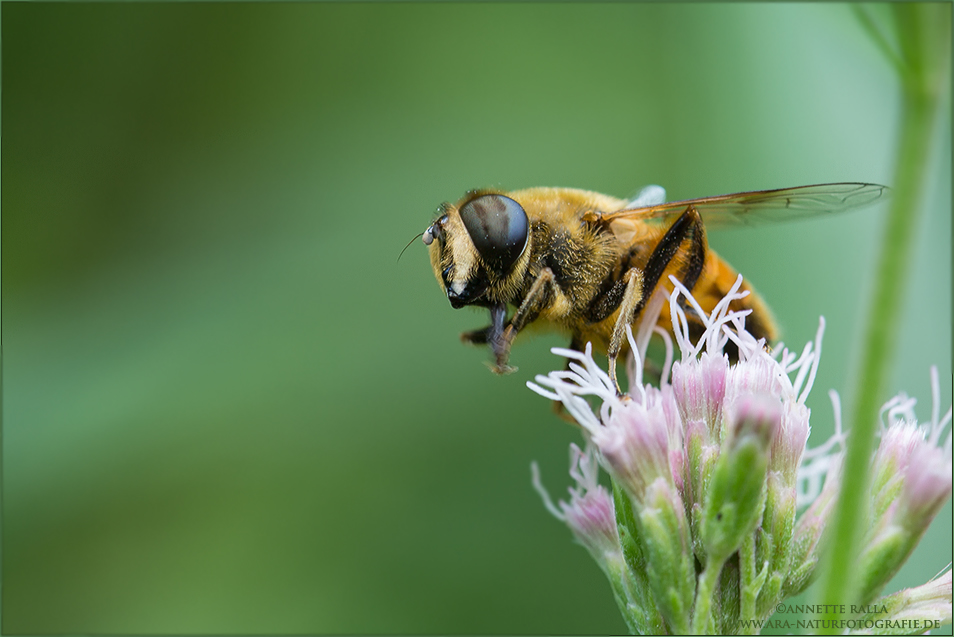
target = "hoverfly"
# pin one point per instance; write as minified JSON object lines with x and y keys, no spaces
{"x":586,"y":263}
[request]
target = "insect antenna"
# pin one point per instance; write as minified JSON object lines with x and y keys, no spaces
{"x":416,"y":237}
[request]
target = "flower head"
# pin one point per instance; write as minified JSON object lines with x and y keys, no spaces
{"x":710,"y":467}
{"x":911,"y":482}
{"x":589,"y":513}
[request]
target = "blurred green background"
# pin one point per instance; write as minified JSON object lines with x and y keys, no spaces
{"x":226,"y":409}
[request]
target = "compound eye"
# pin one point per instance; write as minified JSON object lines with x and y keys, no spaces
{"x":499,"y":228}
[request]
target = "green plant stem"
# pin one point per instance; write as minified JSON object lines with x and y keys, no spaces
{"x":749,"y":584}
{"x":702,"y":609}
{"x":920,"y":103}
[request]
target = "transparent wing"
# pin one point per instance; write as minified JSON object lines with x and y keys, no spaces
{"x":763,"y":206}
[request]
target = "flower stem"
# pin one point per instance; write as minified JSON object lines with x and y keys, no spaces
{"x":924,"y":37}
{"x":749,"y":584}
{"x":702,"y":609}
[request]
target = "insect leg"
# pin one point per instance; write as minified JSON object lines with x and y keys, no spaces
{"x":640,"y":285}
{"x":476,"y":337}
{"x":537,"y":299}
{"x":633,"y":299}
{"x":689,"y":227}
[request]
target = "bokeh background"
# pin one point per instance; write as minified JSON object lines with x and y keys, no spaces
{"x":226,"y":408}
